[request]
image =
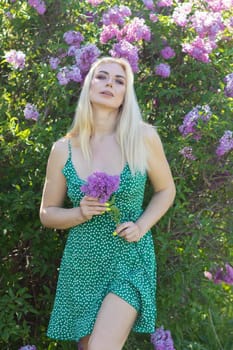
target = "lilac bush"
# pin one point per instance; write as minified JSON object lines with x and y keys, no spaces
{"x":45,"y":55}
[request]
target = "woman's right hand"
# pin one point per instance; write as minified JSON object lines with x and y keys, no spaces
{"x":90,"y":206}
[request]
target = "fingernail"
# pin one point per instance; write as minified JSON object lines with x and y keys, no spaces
{"x":107,"y":204}
{"x":103,"y":212}
{"x":108,"y":209}
{"x":114,"y":233}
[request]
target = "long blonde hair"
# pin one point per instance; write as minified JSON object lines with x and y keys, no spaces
{"x":129,"y":129}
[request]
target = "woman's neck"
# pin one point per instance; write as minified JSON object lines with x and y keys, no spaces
{"x":105,"y":121}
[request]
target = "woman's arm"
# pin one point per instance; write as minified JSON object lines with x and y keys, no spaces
{"x":162,"y":181}
{"x":52,"y":213}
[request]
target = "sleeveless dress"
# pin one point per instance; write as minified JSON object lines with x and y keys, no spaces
{"x":95,"y":263}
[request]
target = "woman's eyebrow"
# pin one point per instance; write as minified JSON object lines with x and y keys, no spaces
{"x":117,"y":75}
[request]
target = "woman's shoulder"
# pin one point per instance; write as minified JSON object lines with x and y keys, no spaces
{"x":60,"y":150}
{"x":149,"y":131}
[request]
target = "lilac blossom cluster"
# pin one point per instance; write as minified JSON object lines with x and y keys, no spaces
{"x":83,"y":56}
{"x":30,"y":112}
{"x":219,"y":5}
{"x":221,"y":275}
{"x":187,"y":152}
{"x":101,"y":185}
{"x":128,"y":51}
{"x":149,"y":4}
{"x":95,"y":2}
{"x":229,"y":85}
{"x":16,"y":59}
{"x":225,"y":143}
{"x":162,"y":339}
{"x":208,"y":23}
{"x":28,"y":347}
{"x":126,"y":34}
{"x":163,"y":70}
{"x":167,"y":53}
{"x":164,"y":3}
{"x":38,"y":5}
{"x":191,"y":120}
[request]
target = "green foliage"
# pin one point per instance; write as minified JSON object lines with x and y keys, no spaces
{"x":196,"y":233}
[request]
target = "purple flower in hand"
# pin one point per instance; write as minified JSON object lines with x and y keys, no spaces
{"x":162,"y":340}
{"x":101,"y":185}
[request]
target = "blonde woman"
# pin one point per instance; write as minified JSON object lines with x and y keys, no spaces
{"x":106,"y":284}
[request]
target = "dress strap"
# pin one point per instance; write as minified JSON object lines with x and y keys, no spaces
{"x":69,"y":148}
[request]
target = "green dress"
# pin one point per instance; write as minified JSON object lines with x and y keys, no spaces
{"x":95,"y":263}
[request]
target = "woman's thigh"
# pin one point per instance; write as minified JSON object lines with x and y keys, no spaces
{"x":113,"y":324}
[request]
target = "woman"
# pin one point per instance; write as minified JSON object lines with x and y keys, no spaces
{"x":106,"y":283}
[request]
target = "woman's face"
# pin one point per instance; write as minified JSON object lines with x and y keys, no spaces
{"x":108,"y":86}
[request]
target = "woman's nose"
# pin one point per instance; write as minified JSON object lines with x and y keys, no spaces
{"x":109,"y":82}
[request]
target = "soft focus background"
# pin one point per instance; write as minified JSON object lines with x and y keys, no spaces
{"x":182,"y":56}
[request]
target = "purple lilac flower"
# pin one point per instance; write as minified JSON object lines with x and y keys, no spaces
{"x":149,"y":4}
{"x":229,"y":85}
{"x":163,"y":69}
{"x":95,"y":2}
{"x":128,"y":51}
{"x":187,"y":152}
{"x":73,"y":38}
{"x":38,"y":5}
{"x":28,"y":347}
{"x":8,"y":14}
{"x":72,"y":50}
{"x":164,"y":3}
{"x":85,"y":56}
{"x":181,"y":12}
{"x":162,"y":340}
{"x":200,"y":49}
{"x":136,"y":30}
{"x":116,"y":15}
{"x":54,"y":62}
{"x":167,"y":52}
{"x":109,"y":32}
{"x":16,"y":58}
{"x":220,"y":275}
{"x":63,"y":76}
{"x":75,"y":74}
{"x":219,"y":5}
{"x":225,"y":143}
{"x":30,"y":112}
{"x":191,"y":119}
{"x":207,"y":23}
{"x":101,"y":185}
{"x":153,"y":17}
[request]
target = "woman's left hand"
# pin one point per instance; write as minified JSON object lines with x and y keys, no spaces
{"x":130,"y":231}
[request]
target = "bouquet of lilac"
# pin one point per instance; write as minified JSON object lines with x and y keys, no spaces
{"x":102,"y":186}
{"x":162,"y":340}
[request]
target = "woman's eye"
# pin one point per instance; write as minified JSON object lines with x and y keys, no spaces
{"x":100,"y":76}
{"x":119,"y":81}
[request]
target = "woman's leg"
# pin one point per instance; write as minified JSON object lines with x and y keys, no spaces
{"x":113,"y":324}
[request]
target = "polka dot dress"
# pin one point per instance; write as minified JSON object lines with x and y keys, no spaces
{"x":95,"y":263}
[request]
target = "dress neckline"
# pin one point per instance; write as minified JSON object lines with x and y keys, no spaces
{"x":84,"y":181}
